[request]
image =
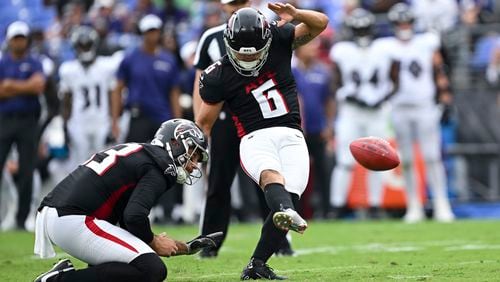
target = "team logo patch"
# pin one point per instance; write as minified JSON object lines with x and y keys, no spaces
{"x":171,"y":170}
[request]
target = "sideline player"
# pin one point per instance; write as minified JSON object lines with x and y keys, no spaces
{"x":120,"y":185}
{"x":85,"y":86}
{"x":255,"y":79}
{"x":366,"y":74}
{"x":416,"y":115}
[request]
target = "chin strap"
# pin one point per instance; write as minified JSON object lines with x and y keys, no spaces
{"x":182,"y":175}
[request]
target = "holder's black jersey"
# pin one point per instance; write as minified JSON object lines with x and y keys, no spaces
{"x":266,"y":100}
{"x":120,"y":184}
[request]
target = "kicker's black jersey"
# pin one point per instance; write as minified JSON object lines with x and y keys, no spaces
{"x":119,"y":185}
{"x":267,"y":100}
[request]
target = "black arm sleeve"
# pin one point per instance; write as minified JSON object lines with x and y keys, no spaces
{"x":210,"y":87}
{"x":147,"y":192}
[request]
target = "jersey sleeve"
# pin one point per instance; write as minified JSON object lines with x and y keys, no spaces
{"x":210,"y":86}
{"x":144,"y":197}
{"x":335,"y":52}
{"x":285,"y":34}
{"x":64,"y":78}
{"x":433,"y":41}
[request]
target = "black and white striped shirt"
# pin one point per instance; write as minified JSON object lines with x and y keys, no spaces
{"x":210,"y":47}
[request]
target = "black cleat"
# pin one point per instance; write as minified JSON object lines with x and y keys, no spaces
{"x":257,"y":269}
{"x":285,"y":251}
{"x":61,"y":266}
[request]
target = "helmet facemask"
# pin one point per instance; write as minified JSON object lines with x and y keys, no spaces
{"x":185,"y":144}
{"x":184,"y":160}
{"x":248,"y":68}
{"x":86,"y":52}
{"x":361,"y":23}
{"x":85,"y":41}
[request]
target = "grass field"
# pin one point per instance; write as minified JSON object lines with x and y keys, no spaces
{"x":329,"y":251}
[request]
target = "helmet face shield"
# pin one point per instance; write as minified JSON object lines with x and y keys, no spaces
{"x":247,"y":39}
{"x":247,"y":59}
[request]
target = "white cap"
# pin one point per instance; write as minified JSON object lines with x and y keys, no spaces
{"x":149,"y":22}
{"x":226,"y":1}
{"x":17,"y":28}
{"x":105,"y":3}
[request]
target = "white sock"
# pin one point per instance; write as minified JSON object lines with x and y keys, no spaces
{"x":375,"y":188}
{"x":412,"y":196}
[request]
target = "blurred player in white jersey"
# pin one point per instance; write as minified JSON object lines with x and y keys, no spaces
{"x":366,"y":76}
{"x":416,"y":115}
{"x":85,"y":85}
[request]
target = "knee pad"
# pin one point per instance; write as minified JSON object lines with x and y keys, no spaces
{"x":151,"y":266}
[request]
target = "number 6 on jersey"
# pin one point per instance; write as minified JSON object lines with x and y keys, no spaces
{"x":271,"y":102}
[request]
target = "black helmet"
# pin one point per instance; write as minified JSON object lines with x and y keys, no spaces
{"x":361,"y":23}
{"x":177,"y":136}
{"x":85,"y":40}
{"x":247,"y":33}
{"x":401,"y":13}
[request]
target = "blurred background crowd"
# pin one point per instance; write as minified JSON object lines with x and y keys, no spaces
{"x":470,"y":45}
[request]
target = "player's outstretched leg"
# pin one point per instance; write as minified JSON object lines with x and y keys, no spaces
{"x":258,"y":269}
{"x":280,"y":202}
{"x":61,"y":266}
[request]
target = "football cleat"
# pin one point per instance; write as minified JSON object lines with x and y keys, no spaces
{"x":414,"y":216}
{"x":289,"y":220}
{"x":61,"y":266}
{"x":257,"y":269}
{"x":285,"y":250}
{"x":443,"y":212}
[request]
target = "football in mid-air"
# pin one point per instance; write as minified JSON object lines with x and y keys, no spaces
{"x":374,"y":153}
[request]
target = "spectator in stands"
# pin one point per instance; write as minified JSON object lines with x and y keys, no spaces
{"x":151,"y":76}
{"x":313,"y":84}
{"x":171,"y":14}
{"x":21,"y":82}
{"x":442,"y":17}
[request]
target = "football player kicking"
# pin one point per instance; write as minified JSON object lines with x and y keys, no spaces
{"x":85,"y":86}
{"x":120,"y":185}
{"x":255,"y":79}
{"x":416,"y":115}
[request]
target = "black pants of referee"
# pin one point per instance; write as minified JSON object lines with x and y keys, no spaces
{"x":317,"y":151}
{"x":22,"y":130}
{"x":224,"y":162}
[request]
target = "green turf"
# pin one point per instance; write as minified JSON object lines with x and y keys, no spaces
{"x":329,"y":251}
